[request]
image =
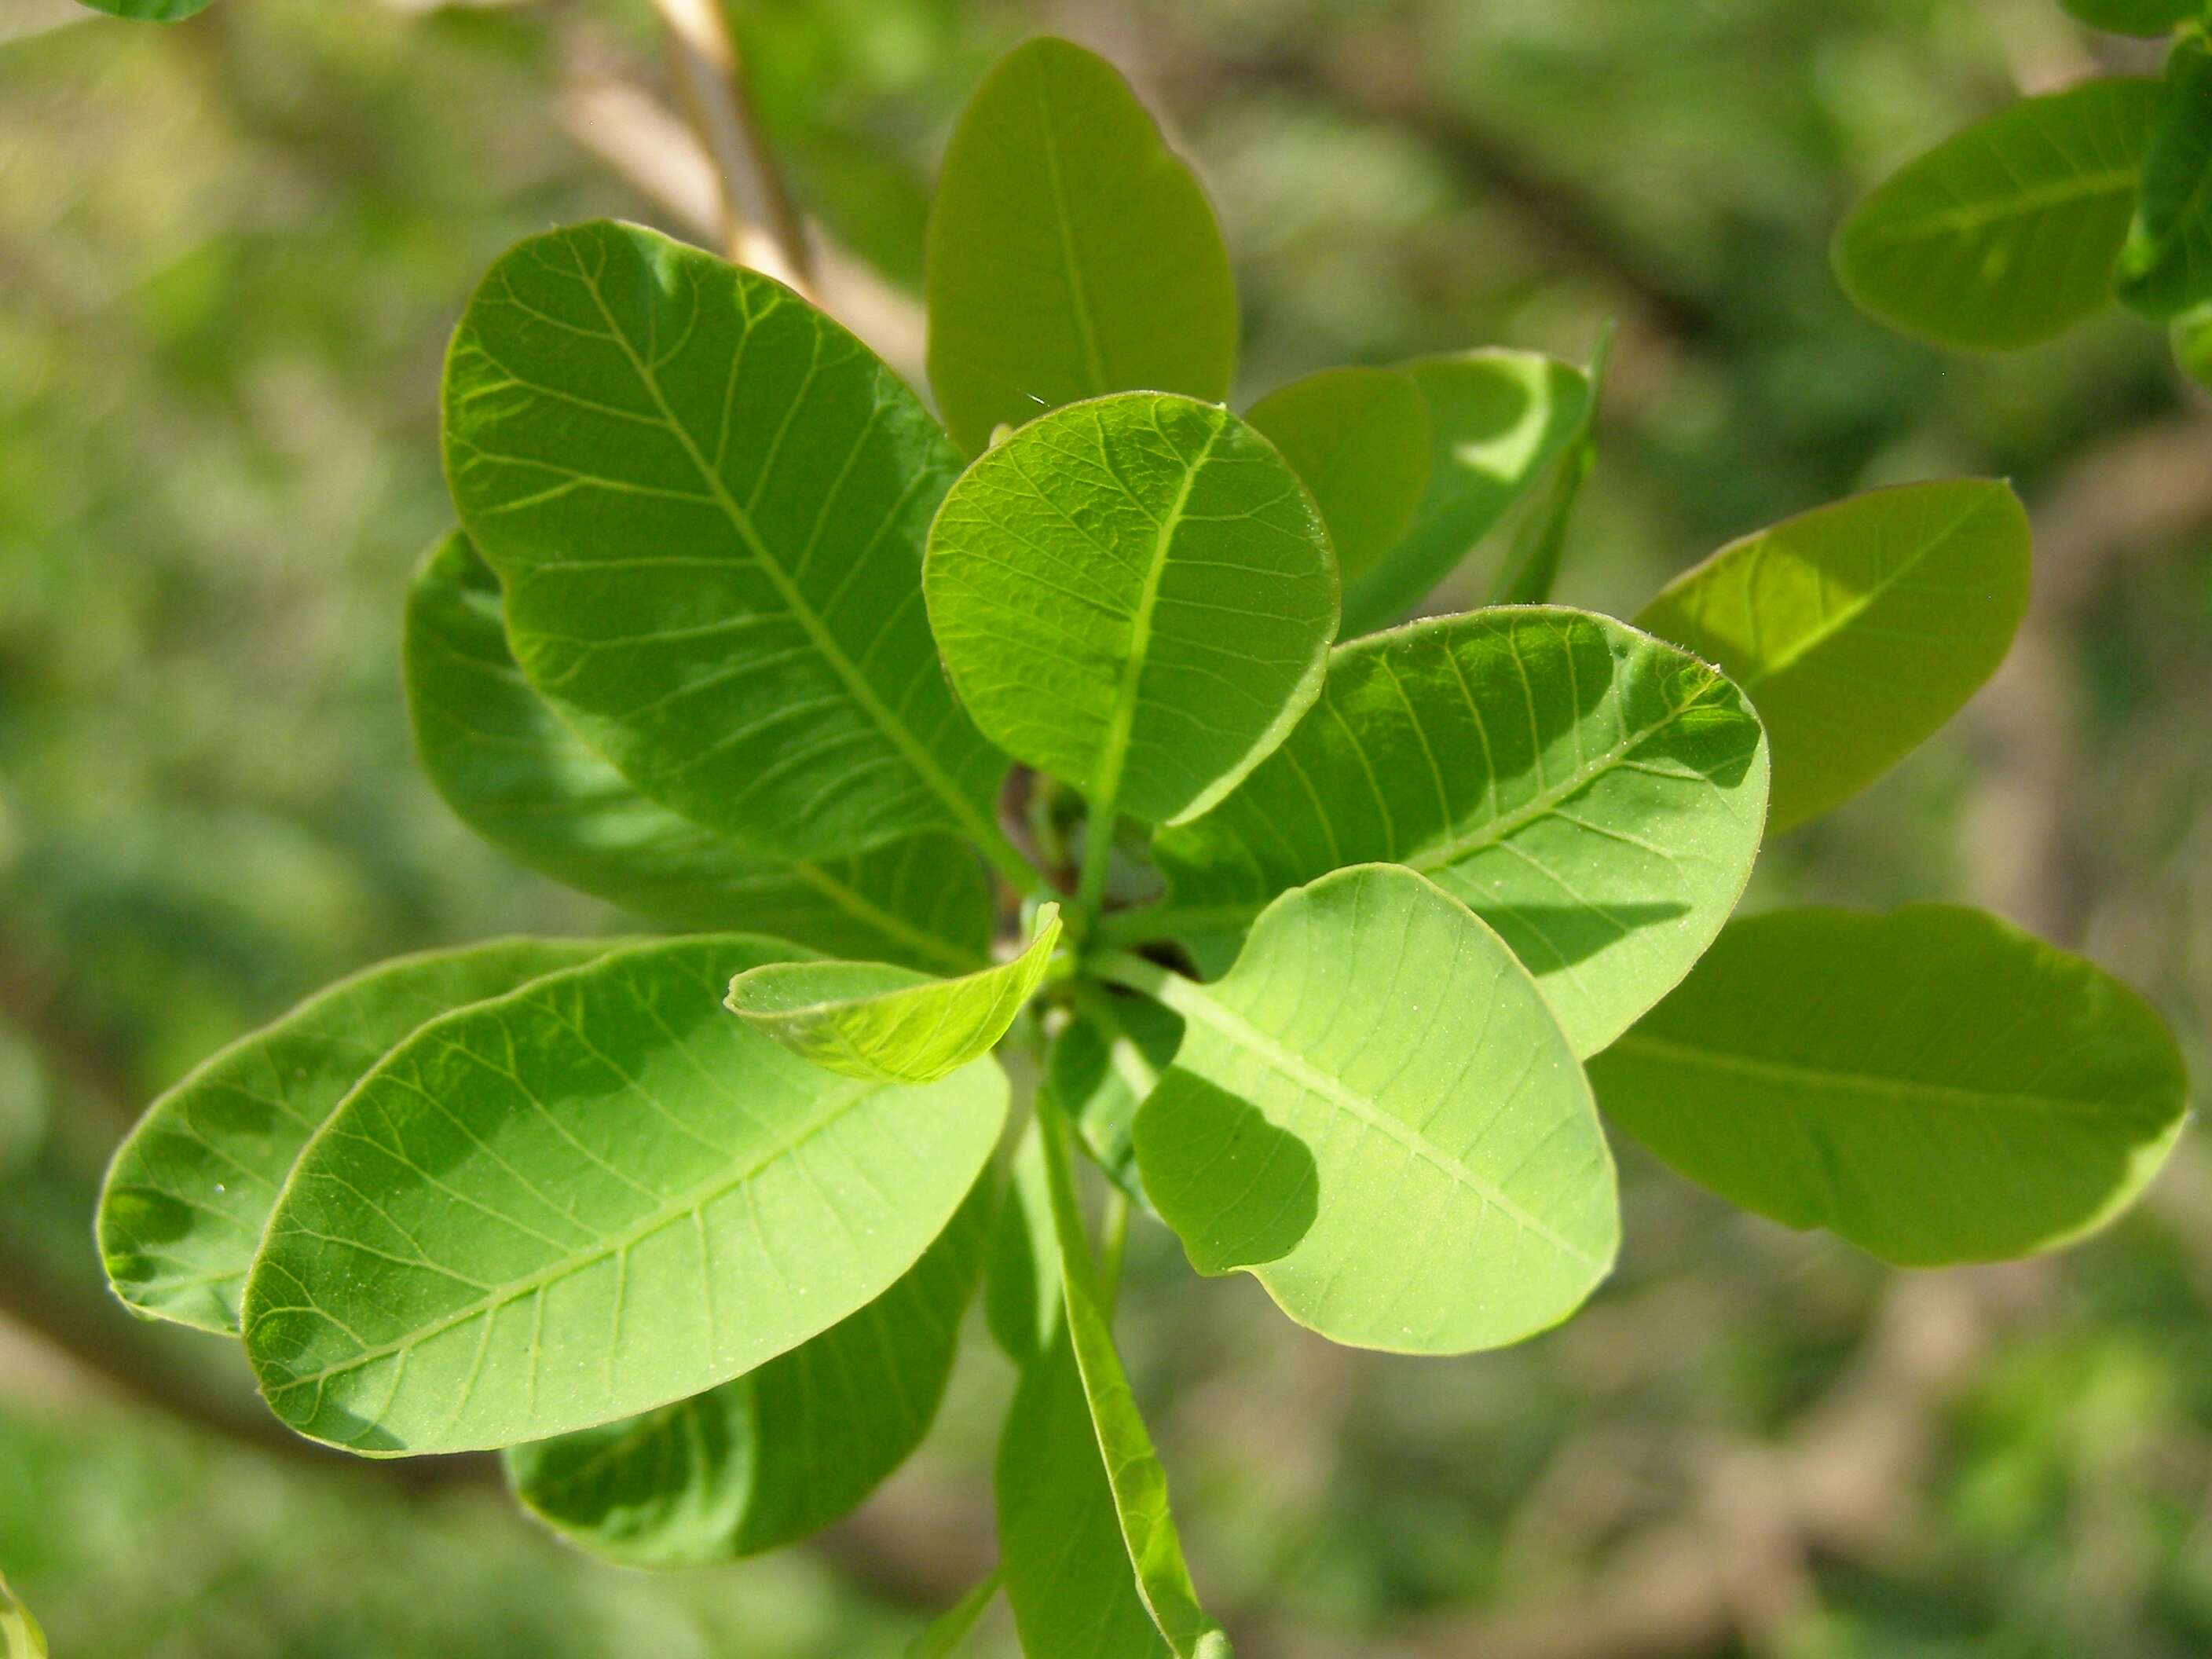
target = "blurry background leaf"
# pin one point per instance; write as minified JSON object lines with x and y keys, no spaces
{"x":2134,"y":17}
{"x":2166,"y":264}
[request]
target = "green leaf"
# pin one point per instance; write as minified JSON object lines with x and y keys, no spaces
{"x":1071,"y":252}
{"x":516,"y":774}
{"x":149,"y":11}
{"x":1532,"y":568}
{"x":868,"y":1019}
{"x":778,"y":1454}
{"x":190,"y":1190}
{"x":1932,"y":1084}
{"x":2135,"y":16}
{"x":1375,"y":1114}
{"x":1594,"y":794}
{"x":588,"y":1198}
{"x":1071,"y":1561}
{"x":2166,"y":264}
{"x":1497,"y":419}
{"x":1102,"y":1065}
{"x":950,"y":1629}
{"x":1359,"y":439}
{"x":2005,"y":235}
{"x":1134,"y":595}
{"x":20,"y":1635}
{"x":706,"y":501}
{"x":1021,"y":1286}
{"x":1859,"y":628}
{"x":2191,"y":338}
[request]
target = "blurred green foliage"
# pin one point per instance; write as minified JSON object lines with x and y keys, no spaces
{"x":230,"y":254}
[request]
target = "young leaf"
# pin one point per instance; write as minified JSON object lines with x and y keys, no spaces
{"x":2135,"y":16}
{"x":191,"y":1188}
{"x":1932,"y":1084}
{"x":952,"y":1628}
{"x":588,"y":1198}
{"x":1135,"y":595}
{"x":1101,"y":1068}
{"x":1497,"y":419}
{"x":1375,"y":1114}
{"x":1070,"y":253}
{"x":778,"y":1454}
{"x":1532,"y":568}
{"x":868,"y":1019}
{"x":706,"y":501}
{"x":1592,"y":793}
{"x":2005,"y":235}
{"x":1859,"y":628}
{"x":506,"y":764}
{"x":2166,"y":264}
{"x":1359,"y":439}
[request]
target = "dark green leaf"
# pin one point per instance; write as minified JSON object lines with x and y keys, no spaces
{"x":2166,"y":265}
{"x":1101,"y":1068}
{"x":1021,"y":1289}
{"x":149,"y":11}
{"x":1359,"y":439}
{"x":2191,"y":337}
{"x":2135,"y":16}
{"x":1071,"y":252}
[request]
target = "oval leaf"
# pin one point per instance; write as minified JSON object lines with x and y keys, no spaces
{"x":1594,"y":794}
{"x":1359,"y":439}
{"x":706,"y":501}
{"x":778,"y":1454}
{"x":2005,"y":235}
{"x":1497,"y":419}
{"x":190,"y":1190}
{"x":1136,"y":596}
{"x":514,"y":772}
{"x":1375,"y":1114}
{"x":1859,"y":628}
{"x":1070,"y":253}
{"x":585,"y":1200}
{"x":1932,"y":1084}
{"x":868,"y":1019}
{"x":2166,"y":264}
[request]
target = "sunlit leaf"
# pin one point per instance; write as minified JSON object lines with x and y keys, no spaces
{"x":191,"y":1189}
{"x":1859,"y":628}
{"x":869,"y":1020}
{"x":706,"y":501}
{"x":519,"y":777}
{"x":779,"y":1453}
{"x":1932,"y":1084}
{"x":1497,"y":419}
{"x":1375,"y":1114}
{"x":2005,"y":235}
{"x":1070,"y":251}
{"x":1359,"y":439}
{"x":20,"y":1635}
{"x":1101,"y":1066}
{"x":2166,"y":264}
{"x":2135,"y":16}
{"x":589,"y":1198}
{"x":1593,"y":793}
{"x":1135,"y":595}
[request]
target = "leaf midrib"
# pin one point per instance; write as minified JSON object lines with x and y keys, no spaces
{"x":1975,"y":216}
{"x":1087,"y":329}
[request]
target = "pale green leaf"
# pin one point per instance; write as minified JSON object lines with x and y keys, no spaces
{"x":778,"y":1454}
{"x":2005,"y":235}
{"x":20,"y":1635}
{"x":1593,"y":793}
{"x":949,"y":1632}
{"x":1375,"y":1114}
{"x":191,"y":1188}
{"x":1497,"y":419}
{"x":1101,"y":1066}
{"x":1932,"y":1084}
{"x":2166,"y":264}
{"x":1859,"y":628}
{"x":1531,"y":569}
{"x":1359,"y":439}
{"x":706,"y":502}
{"x":514,"y":772}
{"x":2135,"y":16}
{"x":869,"y":1020}
{"x":1070,"y":251}
{"x":1135,"y":595}
{"x":588,"y":1198}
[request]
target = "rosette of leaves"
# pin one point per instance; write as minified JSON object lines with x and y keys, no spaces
{"x":1355,"y":934}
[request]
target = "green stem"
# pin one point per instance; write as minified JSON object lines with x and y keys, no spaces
{"x":1120,"y":967}
{"x":1097,"y":857}
{"x":1159,"y":922}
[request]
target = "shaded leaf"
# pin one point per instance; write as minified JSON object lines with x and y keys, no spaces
{"x":515,"y":773}
{"x":1593,"y":793}
{"x":1071,"y":252}
{"x":588,"y":1198}
{"x":1531,"y":570}
{"x":1497,"y":419}
{"x":1932,"y":1084}
{"x":1358,"y":438}
{"x":2191,"y":338}
{"x":190,"y":1190}
{"x":1135,"y":595}
{"x":2166,"y":264}
{"x":1102,"y":1065}
{"x":1375,"y":1114}
{"x":778,"y":1454}
{"x":868,"y":1019}
{"x":706,"y":502}
{"x":1859,"y":628}
{"x":2005,"y":235}
{"x":1021,"y":1286}
{"x":2135,"y":16}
